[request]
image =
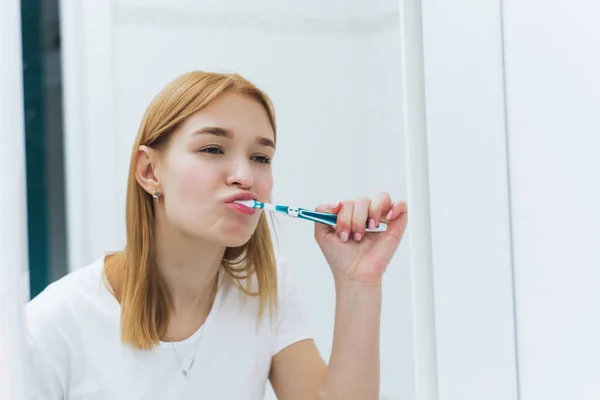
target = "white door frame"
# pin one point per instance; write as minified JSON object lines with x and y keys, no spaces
{"x":469,"y":200}
{"x":90,"y":148}
{"x":14,"y":278}
{"x":419,"y":234}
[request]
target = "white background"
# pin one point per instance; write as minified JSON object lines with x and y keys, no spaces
{"x":553,"y":92}
{"x":14,"y":285}
{"x":470,"y":224}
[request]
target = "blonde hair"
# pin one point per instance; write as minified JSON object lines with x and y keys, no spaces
{"x":139,"y":289}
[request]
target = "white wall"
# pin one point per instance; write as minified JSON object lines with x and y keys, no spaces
{"x":552,"y":55}
{"x":332,"y":70}
{"x":468,"y":178}
{"x":513,"y":173}
{"x":14,"y":282}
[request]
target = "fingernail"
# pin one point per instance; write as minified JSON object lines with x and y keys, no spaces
{"x":344,"y":236}
{"x":357,"y":236}
{"x":389,"y":214}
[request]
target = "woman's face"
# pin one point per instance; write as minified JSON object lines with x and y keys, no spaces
{"x":220,"y":152}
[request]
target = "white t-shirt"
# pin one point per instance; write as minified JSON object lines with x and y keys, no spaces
{"x":75,"y":352}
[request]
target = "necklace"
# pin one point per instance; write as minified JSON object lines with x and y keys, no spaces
{"x":186,"y":372}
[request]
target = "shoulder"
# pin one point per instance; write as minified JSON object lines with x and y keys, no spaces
{"x":52,"y":320}
{"x":53,"y":310}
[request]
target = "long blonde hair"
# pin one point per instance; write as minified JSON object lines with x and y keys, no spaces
{"x":139,"y":289}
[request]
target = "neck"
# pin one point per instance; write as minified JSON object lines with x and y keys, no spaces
{"x":189,"y":269}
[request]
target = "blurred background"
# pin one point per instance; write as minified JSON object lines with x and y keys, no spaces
{"x":484,"y":116}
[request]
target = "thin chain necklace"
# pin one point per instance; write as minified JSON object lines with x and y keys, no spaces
{"x":184,"y":371}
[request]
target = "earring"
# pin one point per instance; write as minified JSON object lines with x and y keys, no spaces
{"x":156,"y":196}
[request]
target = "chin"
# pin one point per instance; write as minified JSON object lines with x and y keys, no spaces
{"x":235,"y":243}
{"x":234,"y":239}
{"x":226,"y":234}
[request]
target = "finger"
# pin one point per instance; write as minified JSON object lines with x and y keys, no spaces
{"x":321,"y":229}
{"x":360,"y":217}
{"x":344,"y":220}
{"x":380,"y":204}
{"x":396,"y":209}
{"x":398,"y":220}
{"x":329,"y":208}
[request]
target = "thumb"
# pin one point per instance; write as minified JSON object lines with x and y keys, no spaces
{"x":322,"y":230}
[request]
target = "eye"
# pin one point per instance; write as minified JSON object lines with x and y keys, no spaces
{"x":261,"y":159}
{"x":212,"y":150}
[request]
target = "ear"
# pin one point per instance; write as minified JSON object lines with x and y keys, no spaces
{"x":146,"y":172}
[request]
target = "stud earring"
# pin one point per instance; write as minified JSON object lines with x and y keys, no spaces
{"x":156,"y":196}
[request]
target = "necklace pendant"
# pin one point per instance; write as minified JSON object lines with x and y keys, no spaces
{"x":185,"y":374}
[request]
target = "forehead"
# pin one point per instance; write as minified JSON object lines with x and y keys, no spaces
{"x":239,"y":113}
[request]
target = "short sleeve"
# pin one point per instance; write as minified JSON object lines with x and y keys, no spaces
{"x":292,"y":323}
{"x":44,"y":350}
{"x":43,"y":381}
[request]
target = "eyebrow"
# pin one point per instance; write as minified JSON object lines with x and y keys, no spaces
{"x":222,"y":132}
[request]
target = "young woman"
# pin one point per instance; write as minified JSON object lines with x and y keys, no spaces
{"x":196,"y":306}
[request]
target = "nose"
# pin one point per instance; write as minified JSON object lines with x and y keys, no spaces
{"x":241,"y":174}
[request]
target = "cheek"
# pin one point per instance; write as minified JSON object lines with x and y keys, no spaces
{"x":263,"y":186}
{"x":195,"y":182}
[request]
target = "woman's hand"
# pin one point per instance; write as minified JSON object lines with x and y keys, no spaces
{"x":354,"y":255}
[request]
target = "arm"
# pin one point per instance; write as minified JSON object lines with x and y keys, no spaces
{"x":358,"y":262}
{"x":299,"y":372}
{"x":353,"y":371}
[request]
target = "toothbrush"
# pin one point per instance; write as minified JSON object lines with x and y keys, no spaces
{"x":295,"y":212}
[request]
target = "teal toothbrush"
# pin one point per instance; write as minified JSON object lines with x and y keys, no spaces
{"x":303,"y":213}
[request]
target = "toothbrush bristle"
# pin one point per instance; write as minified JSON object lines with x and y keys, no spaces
{"x":247,"y":203}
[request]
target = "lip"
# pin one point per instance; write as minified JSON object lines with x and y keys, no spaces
{"x":241,"y":196}
{"x":240,"y":207}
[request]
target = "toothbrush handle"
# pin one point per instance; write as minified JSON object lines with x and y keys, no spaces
{"x":331,"y":219}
